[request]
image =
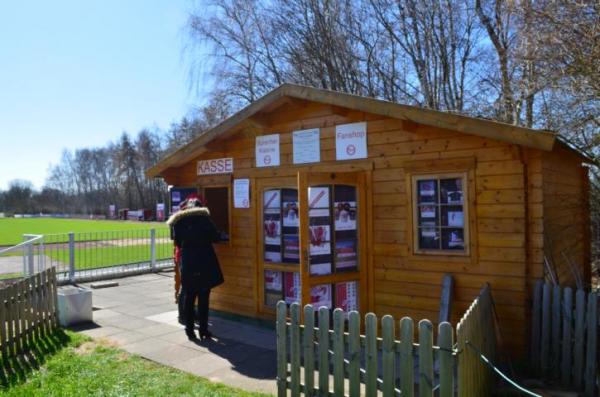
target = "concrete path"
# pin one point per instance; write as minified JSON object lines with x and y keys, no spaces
{"x":141,"y":317}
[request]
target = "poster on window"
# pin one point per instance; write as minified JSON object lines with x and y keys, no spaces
{"x":345,"y":254}
{"x":273,"y":256}
{"x":346,"y":296}
{"x":273,"y":280}
{"x":427,"y":188}
{"x":272,"y":229}
{"x":453,"y":239}
{"x":320,"y":295}
{"x":345,"y":215}
{"x":320,"y":269}
{"x":451,"y":191}
{"x":292,"y":287}
{"x":320,"y":238}
{"x":427,"y":211}
{"x":318,"y":197}
{"x":272,"y":200}
{"x":291,"y":248}
{"x":290,"y":214}
{"x":456,"y":219}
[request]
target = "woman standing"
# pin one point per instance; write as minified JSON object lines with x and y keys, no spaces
{"x":193,"y":232}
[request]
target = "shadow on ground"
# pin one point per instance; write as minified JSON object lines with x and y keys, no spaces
{"x":248,"y":360}
{"x":15,"y":370}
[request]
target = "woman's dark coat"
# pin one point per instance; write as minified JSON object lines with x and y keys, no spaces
{"x":194,"y":232}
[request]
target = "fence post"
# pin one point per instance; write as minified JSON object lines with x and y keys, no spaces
{"x":153,"y":249}
{"x":281,"y":349}
{"x":388,"y":359}
{"x":579,"y":339}
{"x":407,"y":376}
{"x":309,"y":350}
{"x":71,"y":257}
{"x":446,"y":343}
{"x":30,"y":262}
{"x":592,"y":344}
{"x":370,"y":355}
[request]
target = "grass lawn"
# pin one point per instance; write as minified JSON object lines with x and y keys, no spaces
{"x":12,"y":229}
{"x":85,"y":367}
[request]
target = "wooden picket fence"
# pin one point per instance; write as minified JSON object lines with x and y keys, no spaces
{"x":357,"y":364}
{"x":476,"y":340}
{"x":27,"y":312}
{"x":564,"y":337}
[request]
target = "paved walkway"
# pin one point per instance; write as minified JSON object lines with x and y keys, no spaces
{"x":141,"y":317}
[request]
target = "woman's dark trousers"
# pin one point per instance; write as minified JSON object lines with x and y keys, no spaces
{"x":189,"y":296}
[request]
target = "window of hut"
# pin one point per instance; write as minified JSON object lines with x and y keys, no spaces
{"x":280,"y":217}
{"x":217,"y":201}
{"x":440,"y":218}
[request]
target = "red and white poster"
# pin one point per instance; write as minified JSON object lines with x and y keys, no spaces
{"x":345,"y":215}
{"x":267,"y":150}
{"x":272,"y":200}
{"x":292,"y":287}
{"x":273,"y":280}
{"x":320,"y":240}
{"x":320,"y":295}
{"x":318,"y":197}
{"x":351,"y":141}
{"x":346,"y":296}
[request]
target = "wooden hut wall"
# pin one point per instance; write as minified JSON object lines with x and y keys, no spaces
{"x":566,"y":215}
{"x":401,"y":284}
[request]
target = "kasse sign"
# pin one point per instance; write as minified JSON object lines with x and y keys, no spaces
{"x":215,"y":166}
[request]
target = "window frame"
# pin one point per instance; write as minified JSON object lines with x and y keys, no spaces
{"x":263,"y":185}
{"x":415,"y":178}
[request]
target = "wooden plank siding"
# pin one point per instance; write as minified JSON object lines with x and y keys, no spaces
{"x":566,"y":219}
{"x":507,"y":228}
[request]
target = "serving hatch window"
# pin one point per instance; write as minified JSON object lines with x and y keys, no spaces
{"x":440,"y":213}
{"x":217,"y":201}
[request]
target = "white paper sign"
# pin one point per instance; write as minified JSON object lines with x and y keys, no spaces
{"x":241,"y":193}
{"x":306,"y":144}
{"x":351,"y":141}
{"x":267,"y":150}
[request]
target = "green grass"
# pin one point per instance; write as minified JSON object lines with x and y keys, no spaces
{"x":79,"y":366}
{"x":12,"y":229}
{"x":95,"y":257}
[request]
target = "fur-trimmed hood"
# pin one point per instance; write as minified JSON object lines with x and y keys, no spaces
{"x":196,"y":211}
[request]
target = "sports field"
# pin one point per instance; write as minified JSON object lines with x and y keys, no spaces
{"x":12,"y":229}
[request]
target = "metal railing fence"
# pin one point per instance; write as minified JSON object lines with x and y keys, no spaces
{"x":90,"y":255}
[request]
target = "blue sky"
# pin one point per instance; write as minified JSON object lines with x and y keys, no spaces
{"x":78,"y":73}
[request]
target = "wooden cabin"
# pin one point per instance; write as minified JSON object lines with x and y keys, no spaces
{"x":353,"y":202}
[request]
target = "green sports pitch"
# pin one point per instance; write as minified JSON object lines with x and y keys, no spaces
{"x":12,"y":229}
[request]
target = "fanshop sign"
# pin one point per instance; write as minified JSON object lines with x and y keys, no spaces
{"x":215,"y":166}
{"x":351,"y":141}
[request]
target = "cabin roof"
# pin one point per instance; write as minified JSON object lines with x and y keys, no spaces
{"x":247,"y":118}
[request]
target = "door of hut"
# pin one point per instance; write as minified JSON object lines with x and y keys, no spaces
{"x":333,"y":235}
